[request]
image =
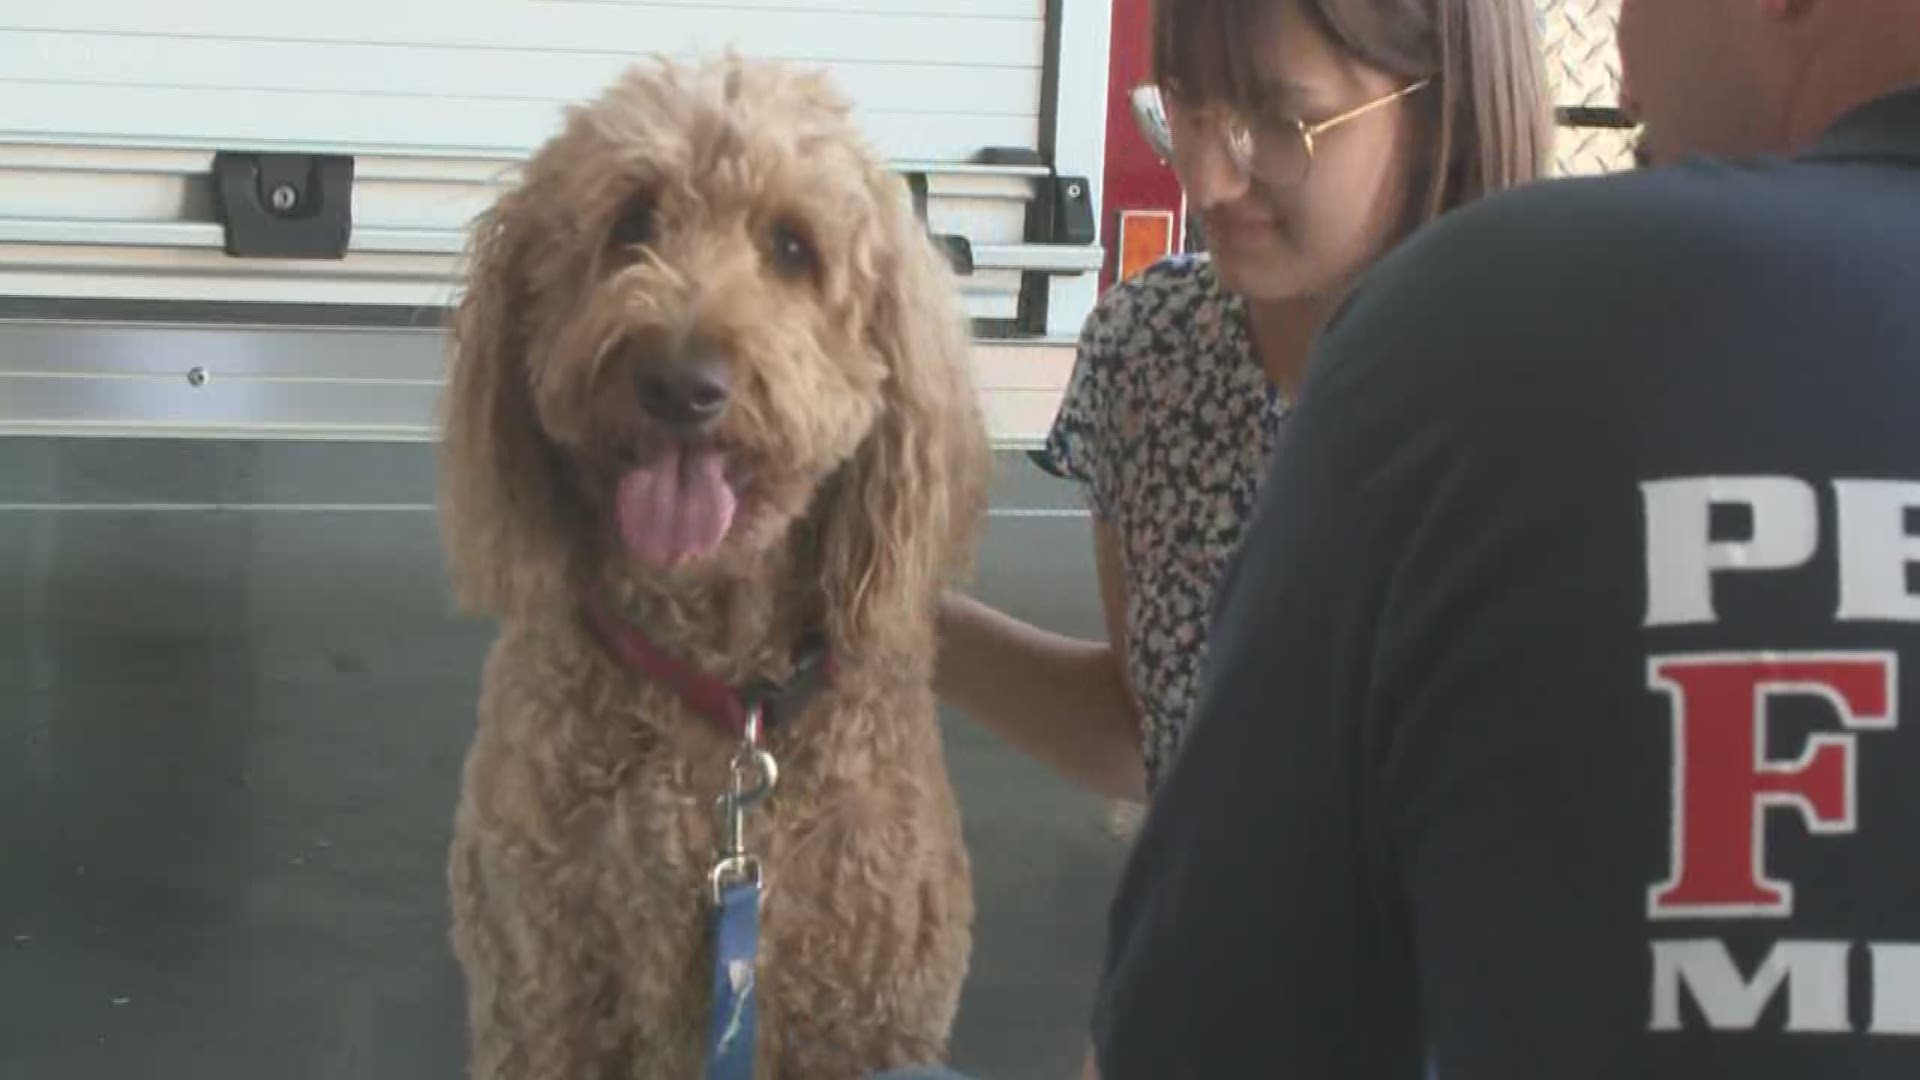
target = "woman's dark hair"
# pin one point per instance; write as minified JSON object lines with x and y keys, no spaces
{"x":1489,"y":124}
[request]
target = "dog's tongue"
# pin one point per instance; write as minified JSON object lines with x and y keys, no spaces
{"x":677,"y":508}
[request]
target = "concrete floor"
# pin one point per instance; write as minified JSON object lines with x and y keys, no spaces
{"x":233,"y":702}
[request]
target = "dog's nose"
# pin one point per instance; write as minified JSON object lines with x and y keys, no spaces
{"x":689,"y":393}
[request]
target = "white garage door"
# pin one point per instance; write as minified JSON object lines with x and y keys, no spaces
{"x":937,"y":79}
{"x":110,"y":111}
{"x":122,"y":311}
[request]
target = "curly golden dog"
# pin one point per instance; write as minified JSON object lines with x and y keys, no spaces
{"x":710,"y":391}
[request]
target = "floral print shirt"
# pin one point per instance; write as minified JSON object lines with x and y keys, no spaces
{"x":1169,"y":420}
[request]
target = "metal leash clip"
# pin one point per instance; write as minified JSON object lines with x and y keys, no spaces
{"x":753,"y":776}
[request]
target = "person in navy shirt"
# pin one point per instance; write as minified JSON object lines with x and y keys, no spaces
{"x":1559,"y":718}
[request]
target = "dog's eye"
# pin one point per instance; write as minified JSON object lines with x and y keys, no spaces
{"x":793,"y":254}
{"x":635,"y":228}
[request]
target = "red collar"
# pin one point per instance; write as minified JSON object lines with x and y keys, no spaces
{"x":721,"y":703}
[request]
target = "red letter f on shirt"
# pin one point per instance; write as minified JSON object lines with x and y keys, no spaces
{"x":1724,"y":779}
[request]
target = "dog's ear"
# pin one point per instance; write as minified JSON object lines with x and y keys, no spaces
{"x":914,"y":495}
{"x":500,"y":489}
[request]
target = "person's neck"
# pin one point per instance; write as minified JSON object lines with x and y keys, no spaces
{"x":1284,"y":332}
{"x":1877,"y":61}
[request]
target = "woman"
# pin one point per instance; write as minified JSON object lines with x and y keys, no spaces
{"x":1310,"y":136}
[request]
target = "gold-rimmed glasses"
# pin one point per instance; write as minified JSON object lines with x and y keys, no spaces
{"x":1274,"y":148}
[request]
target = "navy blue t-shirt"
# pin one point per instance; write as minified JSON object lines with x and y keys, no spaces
{"x":1554,"y":723}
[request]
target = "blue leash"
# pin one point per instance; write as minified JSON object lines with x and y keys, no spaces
{"x":736,"y":945}
{"x":735,"y":895}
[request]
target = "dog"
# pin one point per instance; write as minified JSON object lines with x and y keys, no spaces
{"x":710,"y":397}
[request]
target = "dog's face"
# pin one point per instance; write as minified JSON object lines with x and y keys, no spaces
{"x":701,"y":352}
{"x":707,"y":304}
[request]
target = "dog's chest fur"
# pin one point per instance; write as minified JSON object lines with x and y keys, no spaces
{"x":589,"y":825}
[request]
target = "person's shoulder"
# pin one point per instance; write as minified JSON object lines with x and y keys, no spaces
{"x":1173,"y":284}
{"x":1499,"y":285}
{"x":1145,"y":319}
{"x":1623,"y":235}
{"x":1588,"y":229}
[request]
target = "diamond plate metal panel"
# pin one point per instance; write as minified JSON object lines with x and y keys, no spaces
{"x":1583,"y":68}
{"x":1583,"y":64}
{"x":1589,"y":151}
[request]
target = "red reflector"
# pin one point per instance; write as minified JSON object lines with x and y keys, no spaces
{"x":1146,"y":237}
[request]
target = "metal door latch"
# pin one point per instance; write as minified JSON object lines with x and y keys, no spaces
{"x":284,"y":206}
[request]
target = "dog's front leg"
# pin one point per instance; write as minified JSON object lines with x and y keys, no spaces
{"x":542,"y":1003}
